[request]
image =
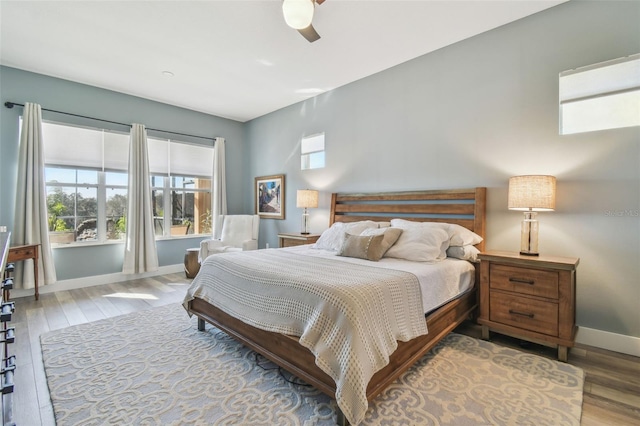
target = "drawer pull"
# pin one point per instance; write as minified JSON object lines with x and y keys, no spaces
{"x":521,"y":281}
{"x":8,"y":368}
{"x":9,"y":334}
{"x":6,"y":309}
{"x":7,"y":382}
{"x":524,"y":314}
{"x":7,"y":284}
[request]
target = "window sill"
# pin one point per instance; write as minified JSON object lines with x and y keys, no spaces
{"x":113,"y":242}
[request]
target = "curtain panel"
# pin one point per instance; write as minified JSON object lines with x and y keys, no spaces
{"x":140,"y":245}
{"x":30,"y":222}
{"x":219,"y":187}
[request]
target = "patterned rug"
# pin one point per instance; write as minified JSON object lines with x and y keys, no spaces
{"x":154,"y":368}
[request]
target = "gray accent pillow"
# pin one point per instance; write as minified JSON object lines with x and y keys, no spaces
{"x":391,"y":235}
{"x":367,"y":247}
{"x":371,"y":244}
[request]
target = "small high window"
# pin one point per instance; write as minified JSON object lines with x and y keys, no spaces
{"x":312,"y":152}
{"x":600,"y":96}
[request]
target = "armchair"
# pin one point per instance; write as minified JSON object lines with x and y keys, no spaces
{"x":235,"y":233}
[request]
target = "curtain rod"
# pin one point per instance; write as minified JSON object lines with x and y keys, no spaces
{"x":12,"y":104}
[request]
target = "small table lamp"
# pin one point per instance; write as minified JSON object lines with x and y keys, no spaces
{"x":306,"y":199}
{"x":531,"y":194}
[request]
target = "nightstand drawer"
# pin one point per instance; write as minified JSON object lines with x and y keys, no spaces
{"x":525,"y":313}
{"x":289,"y":242}
{"x":534,"y":282}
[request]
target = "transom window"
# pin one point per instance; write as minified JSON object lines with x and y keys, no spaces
{"x":600,"y":96}
{"x":312,"y":152}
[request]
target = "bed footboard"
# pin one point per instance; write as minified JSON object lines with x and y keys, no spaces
{"x":285,"y":351}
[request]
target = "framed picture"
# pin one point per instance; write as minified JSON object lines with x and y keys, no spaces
{"x":270,"y":197}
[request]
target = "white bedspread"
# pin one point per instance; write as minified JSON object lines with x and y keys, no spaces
{"x":349,"y":312}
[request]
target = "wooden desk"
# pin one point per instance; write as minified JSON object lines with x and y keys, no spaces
{"x":29,"y":251}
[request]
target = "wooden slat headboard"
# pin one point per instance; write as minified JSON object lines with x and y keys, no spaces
{"x":465,"y":207}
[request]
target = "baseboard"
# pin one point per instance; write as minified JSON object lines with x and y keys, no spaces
{"x":75,"y":283}
{"x":611,"y":341}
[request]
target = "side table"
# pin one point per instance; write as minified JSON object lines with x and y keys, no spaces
{"x":25,"y":252}
{"x":191,"y":264}
{"x":532,"y":298}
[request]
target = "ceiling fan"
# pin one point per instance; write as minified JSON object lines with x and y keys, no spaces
{"x":298,"y":14}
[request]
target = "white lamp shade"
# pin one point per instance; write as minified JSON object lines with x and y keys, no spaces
{"x":298,"y":14}
{"x":532,"y":192}
{"x":307,"y":198}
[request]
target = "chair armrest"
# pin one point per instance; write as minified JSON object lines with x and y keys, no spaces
{"x":211,"y":244}
{"x":250,"y":245}
{"x":206,"y":246}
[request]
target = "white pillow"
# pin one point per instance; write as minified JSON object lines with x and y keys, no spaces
{"x":461,"y":236}
{"x":458,"y":235}
{"x":468,"y":252}
{"x":333,"y":238}
{"x":423,"y":243}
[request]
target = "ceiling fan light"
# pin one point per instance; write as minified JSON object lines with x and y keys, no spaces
{"x":298,"y":14}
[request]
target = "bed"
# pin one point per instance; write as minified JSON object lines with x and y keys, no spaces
{"x":462,"y":207}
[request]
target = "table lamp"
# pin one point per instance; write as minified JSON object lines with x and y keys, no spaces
{"x":531,"y":194}
{"x":306,"y":199}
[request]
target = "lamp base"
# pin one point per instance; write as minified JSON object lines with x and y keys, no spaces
{"x":305,"y":222}
{"x":529,"y":235}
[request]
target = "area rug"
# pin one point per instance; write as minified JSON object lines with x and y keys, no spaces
{"x":155,"y":368}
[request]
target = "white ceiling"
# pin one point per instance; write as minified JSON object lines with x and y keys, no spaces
{"x":235,"y":59}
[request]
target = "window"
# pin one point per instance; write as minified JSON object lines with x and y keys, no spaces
{"x":312,"y":152}
{"x":601,"y":96}
{"x":86,"y":181}
{"x":181,"y":185}
{"x":187,"y":198}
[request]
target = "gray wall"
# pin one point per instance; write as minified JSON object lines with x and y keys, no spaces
{"x":61,"y":95}
{"x":473,"y":114}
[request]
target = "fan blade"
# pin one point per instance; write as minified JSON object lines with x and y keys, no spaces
{"x":319,"y":2}
{"x":309,"y":33}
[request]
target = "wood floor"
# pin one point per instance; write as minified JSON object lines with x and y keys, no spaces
{"x":611,"y":391}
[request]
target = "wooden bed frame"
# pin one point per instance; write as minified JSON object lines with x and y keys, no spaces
{"x":465,"y":207}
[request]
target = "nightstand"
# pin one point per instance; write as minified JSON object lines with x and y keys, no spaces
{"x":529,"y":297}
{"x":297,"y":239}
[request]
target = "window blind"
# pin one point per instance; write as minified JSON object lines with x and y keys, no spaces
{"x":177,"y":158}
{"x":72,"y":146}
